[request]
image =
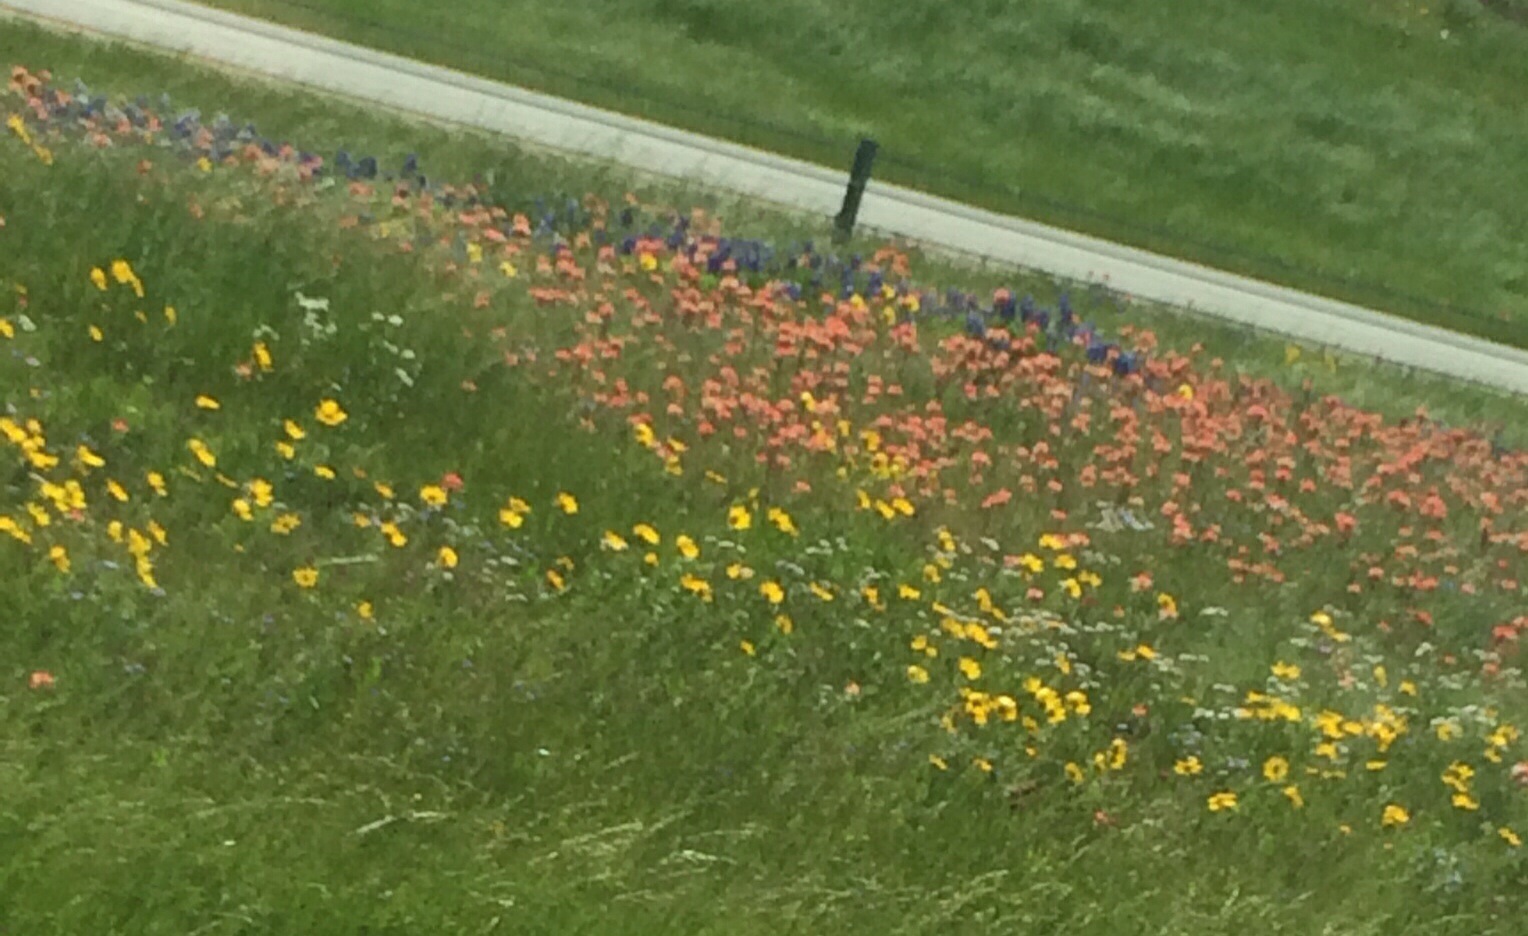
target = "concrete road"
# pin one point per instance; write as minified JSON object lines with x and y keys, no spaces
{"x":442,"y":94}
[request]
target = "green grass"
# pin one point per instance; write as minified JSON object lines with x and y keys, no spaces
{"x":1345,"y":148}
{"x":238,"y":754}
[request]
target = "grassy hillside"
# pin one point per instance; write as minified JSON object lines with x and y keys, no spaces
{"x":1373,"y":151}
{"x":383,"y":559}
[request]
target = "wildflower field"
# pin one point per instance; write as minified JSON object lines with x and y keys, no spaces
{"x":391,"y":554}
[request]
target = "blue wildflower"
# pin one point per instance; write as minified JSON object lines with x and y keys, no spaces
{"x":1027,"y":309}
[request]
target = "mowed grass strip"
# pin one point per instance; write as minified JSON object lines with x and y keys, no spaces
{"x":1374,"y":152}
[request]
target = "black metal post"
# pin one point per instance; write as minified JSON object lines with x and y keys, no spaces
{"x":859,"y":175}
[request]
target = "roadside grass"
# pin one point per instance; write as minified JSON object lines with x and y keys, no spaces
{"x":1382,"y":164}
{"x":541,"y":730}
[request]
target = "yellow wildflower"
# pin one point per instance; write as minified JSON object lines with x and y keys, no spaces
{"x":1286,"y":671}
{"x":782,"y":521}
{"x":1394,"y":816}
{"x":1219,"y":802}
{"x":330,"y":413}
{"x":202,"y":453}
{"x":88,"y":457}
{"x":1275,"y":769}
